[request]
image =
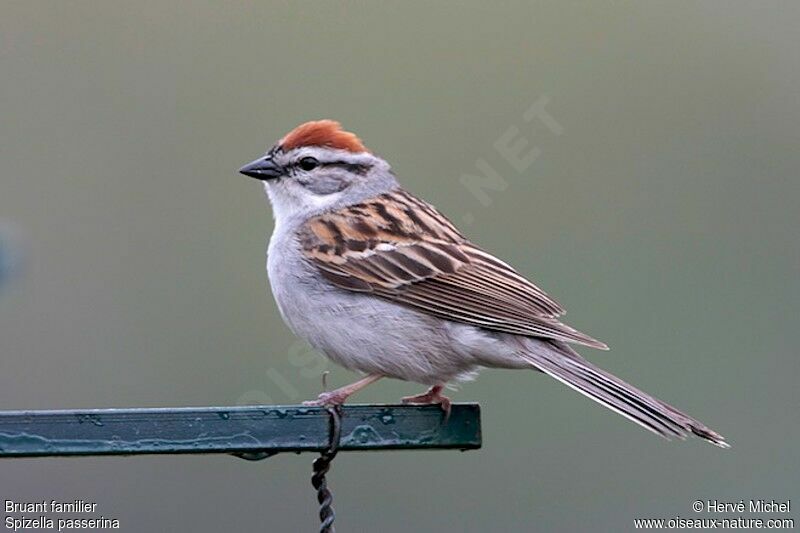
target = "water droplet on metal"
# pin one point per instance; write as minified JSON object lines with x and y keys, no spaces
{"x":387,"y":416}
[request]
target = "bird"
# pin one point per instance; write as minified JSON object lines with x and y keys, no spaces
{"x":383,"y":284}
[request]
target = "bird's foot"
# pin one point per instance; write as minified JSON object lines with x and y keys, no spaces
{"x":433,"y":396}
{"x":336,"y":397}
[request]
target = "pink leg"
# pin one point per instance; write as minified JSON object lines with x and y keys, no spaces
{"x":338,"y":396}
{"x":432,"y":396}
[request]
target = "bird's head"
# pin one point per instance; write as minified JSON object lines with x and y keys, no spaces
{"x":317,"y":167}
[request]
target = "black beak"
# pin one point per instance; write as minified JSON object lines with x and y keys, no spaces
{"x":262,"y":169}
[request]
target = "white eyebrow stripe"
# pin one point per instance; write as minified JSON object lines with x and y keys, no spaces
{"x":330,"y":155}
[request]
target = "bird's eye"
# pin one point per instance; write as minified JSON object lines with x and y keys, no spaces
{"x":309,"y":163}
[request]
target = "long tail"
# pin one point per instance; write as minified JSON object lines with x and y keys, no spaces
{"x":565,"y":365}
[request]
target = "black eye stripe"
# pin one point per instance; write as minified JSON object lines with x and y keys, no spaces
{"x":351,"y":167}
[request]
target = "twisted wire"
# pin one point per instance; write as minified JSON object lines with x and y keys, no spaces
{"x":321,"y":466}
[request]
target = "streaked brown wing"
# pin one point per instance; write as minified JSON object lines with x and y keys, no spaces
{"x":400,"y":248}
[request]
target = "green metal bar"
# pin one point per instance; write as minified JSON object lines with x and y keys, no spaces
{"x":238,"y":430}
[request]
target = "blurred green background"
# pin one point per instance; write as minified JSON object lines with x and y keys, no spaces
{"x":665,"y":217}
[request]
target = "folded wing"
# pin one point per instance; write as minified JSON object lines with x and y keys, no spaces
{"x":400,"y":248}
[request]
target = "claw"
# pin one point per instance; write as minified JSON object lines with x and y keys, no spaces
{"x":433,"y":396}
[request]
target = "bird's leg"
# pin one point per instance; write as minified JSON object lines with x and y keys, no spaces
{"x":338,"y":396}
{"x":432,"y":396}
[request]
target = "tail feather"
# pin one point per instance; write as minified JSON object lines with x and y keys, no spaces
{"x":563,"y":364}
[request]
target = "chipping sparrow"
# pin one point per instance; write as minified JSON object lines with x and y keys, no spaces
{"x":383,"y":284}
